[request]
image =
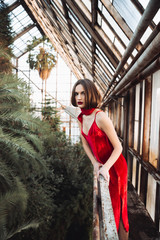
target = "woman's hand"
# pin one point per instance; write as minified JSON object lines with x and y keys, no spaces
{"x":105,"y":173}
{"x":97,"y":166}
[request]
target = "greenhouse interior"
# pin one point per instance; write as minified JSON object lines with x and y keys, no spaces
{"x":48,"y":186}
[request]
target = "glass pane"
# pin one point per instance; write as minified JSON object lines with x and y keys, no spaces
{"x":119,"y":46}
{"x":80,"y":27}
{"x":115,"y":26}
{"x":107,"y":30}
{"x":144,"y":3}
{"x":9,"y":2}
{"x":128,"y":11}
{"x":87,"y":4}
{"x":156,"y":19}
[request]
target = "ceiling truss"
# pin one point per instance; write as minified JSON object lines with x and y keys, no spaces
{"x":84,"y":36}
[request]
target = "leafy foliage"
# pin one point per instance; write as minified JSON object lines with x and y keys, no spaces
{"x":74,"y":192}
{"x":55,"y":193}
{"x":50,"y":115}
{"x":6,"y":39}
{"x":24,"y":198}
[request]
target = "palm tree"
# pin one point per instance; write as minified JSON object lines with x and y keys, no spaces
{"x":23,"y":192}
{"x":21,"y":162}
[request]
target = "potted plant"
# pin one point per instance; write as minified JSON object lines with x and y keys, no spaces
{"x":43,"y":61}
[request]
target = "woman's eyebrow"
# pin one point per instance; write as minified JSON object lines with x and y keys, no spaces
{"x":80,"y":92}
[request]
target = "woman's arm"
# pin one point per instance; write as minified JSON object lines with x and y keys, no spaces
{"x":88,"y":150}
{"x":105,"y":124}
{"x":90,"y":155}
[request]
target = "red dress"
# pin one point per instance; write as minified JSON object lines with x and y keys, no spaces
{"x":102,"y":149}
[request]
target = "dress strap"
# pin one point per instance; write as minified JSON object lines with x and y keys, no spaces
{"x":80,"y":117}
{"x":96,"y":113}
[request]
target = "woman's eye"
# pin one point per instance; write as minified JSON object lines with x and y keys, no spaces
{"x":75,"y":93}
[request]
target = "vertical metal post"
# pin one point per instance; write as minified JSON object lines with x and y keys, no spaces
{"x":131,"y":130}
{"x":119,"y":117}
{"x":139,"y":134}
{"x":146,"y":137}
{"x":126,"y":122}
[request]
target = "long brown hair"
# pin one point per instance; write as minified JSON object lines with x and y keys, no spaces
{"x":92,"y":95}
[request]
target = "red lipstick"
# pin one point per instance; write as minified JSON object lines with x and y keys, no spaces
{"x":80,"y":103}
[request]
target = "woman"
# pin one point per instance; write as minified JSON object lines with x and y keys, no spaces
{"x":103,"y":148}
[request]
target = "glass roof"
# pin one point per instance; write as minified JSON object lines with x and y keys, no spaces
{"x":23,"y":27}
{"x":91,"y":36}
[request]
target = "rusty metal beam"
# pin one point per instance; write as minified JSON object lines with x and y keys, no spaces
{"x":146,"y":44}
{"x":147,"y":56}
{"x":152,"y":68}
{"x":149,"y":168}
{"x":144,"y":22}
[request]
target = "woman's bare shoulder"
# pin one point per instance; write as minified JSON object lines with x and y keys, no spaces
{"x":103,"y":119}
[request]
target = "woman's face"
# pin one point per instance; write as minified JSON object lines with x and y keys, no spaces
{"x":80,"y":96}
